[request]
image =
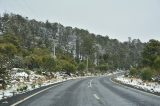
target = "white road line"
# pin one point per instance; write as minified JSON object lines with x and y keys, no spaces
{"x":150,"y":94}
{"x":33,"y":95}
{"x":90,"y":83}
{"x":96,"y":96}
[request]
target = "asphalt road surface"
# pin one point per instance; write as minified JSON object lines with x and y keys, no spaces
{"x":96,"y":91}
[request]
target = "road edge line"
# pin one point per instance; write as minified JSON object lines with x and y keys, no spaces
{"x":34,"y":94}
{"x":90,"y":83}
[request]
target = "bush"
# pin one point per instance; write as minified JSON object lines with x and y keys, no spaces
{"x":103,"y":67}
{"x":69,"y":67}
{"x":133,"y":72}
{"x":25,"y":88}
{"x":33,"y":86}
{"x":22,"y":88}
{"x":8,"y":49}
{"x":48,"y":63}
{"x":81,"y":66}
{"x":157,"y":64}
{"x":147,"y":74}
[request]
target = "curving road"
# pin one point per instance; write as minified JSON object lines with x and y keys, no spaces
{"x":96,"y":91}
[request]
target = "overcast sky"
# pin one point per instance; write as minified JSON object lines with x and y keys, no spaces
{"x":116,"y":18}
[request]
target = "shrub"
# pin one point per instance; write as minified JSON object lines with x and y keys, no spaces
{"x":81,"y":66}
{"x":103,"y":67}
{"x":157,"y":64}
{"x":147,"y":74}
{"x":22,"y":88}
{"x":68,"y":67}
{"x":133,"y":72}
{"x":25,"y":87}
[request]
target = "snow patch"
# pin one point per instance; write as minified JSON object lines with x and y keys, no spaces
{"x":138,"y":83}
{"x":21,"y":74}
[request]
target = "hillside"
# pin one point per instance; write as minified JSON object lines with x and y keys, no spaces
{"x":80,"y":43}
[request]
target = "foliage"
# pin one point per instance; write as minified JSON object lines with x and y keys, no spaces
{"x":22,"y":88}
{"x":32,"y":61}
{"x":133,"y":72}
{"x":157,"y":63}
{"x":9,"y":38}
{"x":103,"y":67}
{"x":8,"y":49}
{"x":48,"y":63}
{"x":81,"y":66}
{"x":150,"y":53}
{"x":68,"y":67}
{"x":4,"y":76}
{"x":150,"y":61}
{"x":147,"y":74}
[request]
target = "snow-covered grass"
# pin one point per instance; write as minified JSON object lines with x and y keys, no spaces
{"x":114,"y":73}
{"x":153,"y":87}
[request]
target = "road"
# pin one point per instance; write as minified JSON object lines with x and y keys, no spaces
{"x":96,"y":91}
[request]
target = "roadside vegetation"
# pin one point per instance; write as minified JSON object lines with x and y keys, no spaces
{"x":149,"y":69}
{"x":37,"y":59}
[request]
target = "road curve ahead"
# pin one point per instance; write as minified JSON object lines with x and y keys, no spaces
{"x":96,"y":91}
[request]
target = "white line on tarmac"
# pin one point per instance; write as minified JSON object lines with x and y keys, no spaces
{"x":96,"y":96}
{"x":90,"y":83}
{"x":33,"y":95}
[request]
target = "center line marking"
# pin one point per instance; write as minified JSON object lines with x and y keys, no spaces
{"x":96,"y":96}
{"x":90,"y":83}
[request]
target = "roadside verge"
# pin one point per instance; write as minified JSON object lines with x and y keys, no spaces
{"x":133,"y":87}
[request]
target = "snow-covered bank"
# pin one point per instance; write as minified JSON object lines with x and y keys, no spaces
{"x":153,"y":87}
{"x":114,"y":73}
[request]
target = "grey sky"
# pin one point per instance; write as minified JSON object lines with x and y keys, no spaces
{"x":116,"y":18}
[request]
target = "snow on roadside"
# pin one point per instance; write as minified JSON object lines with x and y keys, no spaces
{"x":153,"y":87}
{"x":114,"y":73}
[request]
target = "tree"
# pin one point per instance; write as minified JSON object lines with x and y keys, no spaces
{"x":150,"y":53}
{"x":88,"y":45}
